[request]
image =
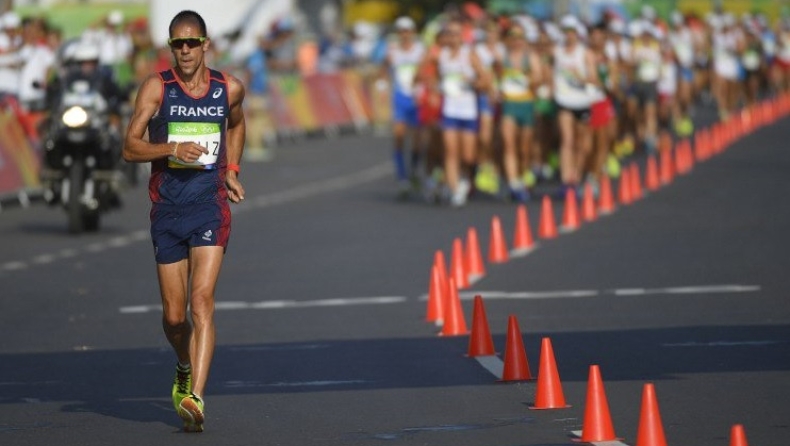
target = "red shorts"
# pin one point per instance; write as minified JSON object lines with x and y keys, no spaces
{"x":602,"y":113}
{"x":429,"y":108}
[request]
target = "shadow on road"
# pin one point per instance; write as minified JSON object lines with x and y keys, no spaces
{"x":135,"y":384}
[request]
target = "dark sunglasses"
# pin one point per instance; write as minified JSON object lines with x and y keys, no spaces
{"x":190,"y":42}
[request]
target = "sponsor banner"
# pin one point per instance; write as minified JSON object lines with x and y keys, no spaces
{"x":295,"y":95}
{"x":326,"y":99}
{"x":19,"y":164}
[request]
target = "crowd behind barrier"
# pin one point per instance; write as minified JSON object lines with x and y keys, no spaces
{"x":299,"y":86}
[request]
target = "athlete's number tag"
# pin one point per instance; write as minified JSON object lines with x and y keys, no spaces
{"x":404,"y":75}
{"x":453,"y":84}
{"x":514,"y":83}
{"x":649,"y":71}
{"x":206,"y":134}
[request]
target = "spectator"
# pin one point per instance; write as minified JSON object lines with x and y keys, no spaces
{"x":38,"y":59}
{"x":114,"y":42}
{"x":10,"y":61}
{"x":282,"y":49}
{"x":259,"y":126}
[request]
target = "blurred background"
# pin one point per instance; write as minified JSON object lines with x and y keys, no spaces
{"x":312,"y":63}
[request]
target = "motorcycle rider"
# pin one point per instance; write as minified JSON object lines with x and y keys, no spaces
{"x":80,"y":62}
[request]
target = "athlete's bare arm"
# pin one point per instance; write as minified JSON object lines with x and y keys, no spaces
{"x":138,"y":150}
{"x":235,"y":137}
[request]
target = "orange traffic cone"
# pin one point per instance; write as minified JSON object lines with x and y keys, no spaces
{"x":702,"y":144}
{"x":549,"y":392}
{"x":636,"y":182}
{"x":597,"y":420}
{"x":652,"y":182}
{"x":522,"y":240}
{"x":664,"y":142}
{"x":497,"y":248}
{"x":665,"y":167}
{"x":570,"y":213}
{"x":650,"y":431}
{"x":454,"y":320}
{"x":441,"y":265}
{"x":624,"y":188}
{"x":458,"y":265}
{"x":588,"y":204}
{"x":474,"y":259}
{"x":547,"y":228}
{"x":480,"y":341}
{"x":435,"y":310}
{"x":738,"y":436}
{"x":516,"y":367}
{"x":606,"y":200}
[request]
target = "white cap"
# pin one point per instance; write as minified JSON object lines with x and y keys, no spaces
{"x":405,"y":23}
{"x":569,"y":22}
{"x":84,"y":52}
{"x":617,"y":26}
{"x":115,"y":17}
{"x":648,"y":12}
{"x":677,"y":18}
{"x":10,"y":20}
{"x":636,"y":28}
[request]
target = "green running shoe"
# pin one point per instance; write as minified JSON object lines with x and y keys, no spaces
{"x":191,"y":411}
{"x":182,"y":385}
{"x":613,"y":166}
{"x":529,"y":179}
{"x":487,"y":179}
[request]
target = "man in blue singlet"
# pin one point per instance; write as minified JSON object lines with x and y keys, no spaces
{"x":195,"y":122}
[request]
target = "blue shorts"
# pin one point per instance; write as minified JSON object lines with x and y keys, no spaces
{"x":464,"y":125}
{"x":177,"y":228}
{"x":404,"y":109}
{"x":484,"y":105}
{"x":687,"y":74}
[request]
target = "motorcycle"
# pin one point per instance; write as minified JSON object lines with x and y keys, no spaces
{"x":81,"y":155}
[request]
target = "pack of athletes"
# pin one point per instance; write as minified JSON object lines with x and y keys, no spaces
{"x":190,"y":201}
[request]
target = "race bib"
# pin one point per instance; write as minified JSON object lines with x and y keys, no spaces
{"x":751,"y":60}
{"x":649,"y":71}
{"x":206,"y":134}
{"x":453,"y":84}
{"x":514,"y":83}
{"x":404,"y":76}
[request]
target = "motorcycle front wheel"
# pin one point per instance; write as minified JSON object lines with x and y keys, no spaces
{"x":74,"y":207}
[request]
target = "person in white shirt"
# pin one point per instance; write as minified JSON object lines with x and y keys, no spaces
{"x":115,"y":44}
{"x":10,"y":61}
{"x":38,"y":60}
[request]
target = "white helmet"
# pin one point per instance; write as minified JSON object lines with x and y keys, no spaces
{"x":85,"y":52}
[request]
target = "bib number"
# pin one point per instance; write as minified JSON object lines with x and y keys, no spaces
{"x":404,"y":75}
{"x":453,"y":85}
{"x":204,"y":134}
{"x":514,"y":83}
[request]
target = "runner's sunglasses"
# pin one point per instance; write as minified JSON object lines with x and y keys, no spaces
{"x":191,"y":42}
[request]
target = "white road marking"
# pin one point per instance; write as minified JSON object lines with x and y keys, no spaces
{"x":252,"y":384}
{"x":707,"y":289}
{"x":309,"y":190}
{"x":465,"y":295}
{"x":280,"y":304}
{"x":14,"y":266}
{"x":43,"y":259}
{"x":493,"y":364}
{"x":599,"y":443}
{"x":724,"y":343}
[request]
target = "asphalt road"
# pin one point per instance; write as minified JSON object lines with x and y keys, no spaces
{"x":320,"y":313}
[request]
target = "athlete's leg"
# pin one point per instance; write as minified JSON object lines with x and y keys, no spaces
{"x":509,"y":154}
{"x":173,"y":290}
{"x":566,"y":120}
{"x":452,"y":159}
{"x":205,"y":265}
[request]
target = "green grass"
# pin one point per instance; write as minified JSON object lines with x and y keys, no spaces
{"x":74,"y":18}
